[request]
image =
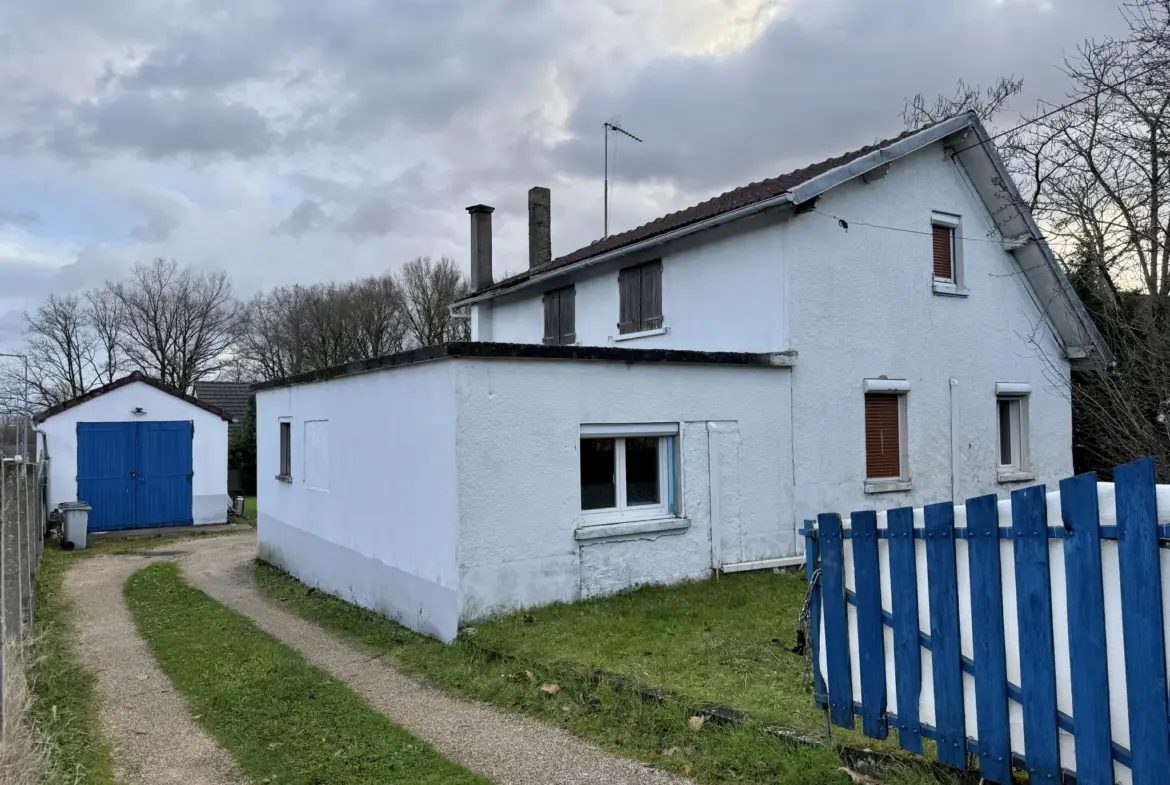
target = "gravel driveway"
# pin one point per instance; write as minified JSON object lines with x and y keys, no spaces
{"x":507,"y":748}
{"x":155,"y":739}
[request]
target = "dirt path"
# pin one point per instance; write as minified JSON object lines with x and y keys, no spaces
{"x":507,"y":748}
{"x":155,"y":739}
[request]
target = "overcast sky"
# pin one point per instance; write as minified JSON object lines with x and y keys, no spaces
{"x":300,"y":140}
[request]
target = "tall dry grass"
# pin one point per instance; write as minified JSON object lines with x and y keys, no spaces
{"x":24,"y":749}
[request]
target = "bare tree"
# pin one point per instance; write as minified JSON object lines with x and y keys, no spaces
{"x":378,"y":319}
{"x":966,"y":98}
{"x":179,"y":324}
{"x":107,"y":319}
{"x":61,"y":347}
{"x":427,"y":289}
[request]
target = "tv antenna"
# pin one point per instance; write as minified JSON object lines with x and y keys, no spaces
{"x":611,"y":127}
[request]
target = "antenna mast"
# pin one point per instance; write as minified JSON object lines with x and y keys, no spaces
{"x":608,"y":126}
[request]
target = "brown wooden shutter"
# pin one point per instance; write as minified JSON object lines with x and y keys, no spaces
{"x":652,"y":296}
{"x":630,"y":295}
{"x":944,"y":241}
{"x":551,"y":317}
{"x":568,"y":321}
{"x":883,"y":454}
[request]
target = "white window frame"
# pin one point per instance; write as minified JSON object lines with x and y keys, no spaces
{"x":956,"y":285}
{"x":668,"y":463}
{"x":900,"y":388}
{"x":1018,"y":397}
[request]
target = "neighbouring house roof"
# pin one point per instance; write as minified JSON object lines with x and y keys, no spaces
{"x":232,"y":397}
{"x":973,"y":149}
{"x":137,"y":376}
{"x":535,"y":351}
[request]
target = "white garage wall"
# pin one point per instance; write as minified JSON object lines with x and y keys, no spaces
{"x":519,"y":468}
{"x":209,"y":451}
{"x":370,"y":512}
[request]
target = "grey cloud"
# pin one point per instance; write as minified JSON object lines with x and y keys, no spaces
{"x":18,"y":218}
{"x":305,"y":217}
{"x":813,"y":87}
{"x":162,"y":125}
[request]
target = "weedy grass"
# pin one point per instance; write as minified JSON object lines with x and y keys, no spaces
{"x":283,"y":719}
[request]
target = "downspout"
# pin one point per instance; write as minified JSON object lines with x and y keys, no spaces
{"x":955,"y":436}
{"x":43,"y":460}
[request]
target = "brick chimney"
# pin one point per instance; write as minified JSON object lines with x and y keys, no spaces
{"x":481,"y":246}
{"x":539,"y":226}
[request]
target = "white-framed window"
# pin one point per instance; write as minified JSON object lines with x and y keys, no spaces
{"x":1013,"y":461}
{"x":886,"y":456}
{"x":947,"y":247}
{"x":285,"y":474}
{"x":629,"y":472}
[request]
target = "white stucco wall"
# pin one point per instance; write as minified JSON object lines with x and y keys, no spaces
{"x":209,"y":452}
{"x":862,"y":305}
{"x":857,"y":304}
{"x":381,"y":531}
{"x":519,"y":492}
{"x":725,"y":292}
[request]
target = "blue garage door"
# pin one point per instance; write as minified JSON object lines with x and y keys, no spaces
{"x":135,"y":474}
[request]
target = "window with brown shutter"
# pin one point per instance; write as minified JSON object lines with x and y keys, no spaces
{"x":560,"y":316}
{"x":944,"y":252}
{"x":883,"y":449}
{"x":640,"y":298}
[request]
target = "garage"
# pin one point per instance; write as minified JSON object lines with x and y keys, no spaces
{"x":140,"y":453}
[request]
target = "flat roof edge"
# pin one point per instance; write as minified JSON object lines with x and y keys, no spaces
{"x":534,"y":351}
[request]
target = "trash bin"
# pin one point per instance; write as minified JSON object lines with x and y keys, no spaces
{"x":76,"y":523}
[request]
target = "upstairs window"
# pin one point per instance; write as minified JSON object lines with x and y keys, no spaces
{"x":946,"y":244}
{"x":560,"y":317}
{"x":640,"y":290}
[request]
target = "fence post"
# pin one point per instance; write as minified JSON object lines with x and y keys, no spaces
{"x":10,"y":578}
{"x":946,"y":657}
{"x":840,"y":676}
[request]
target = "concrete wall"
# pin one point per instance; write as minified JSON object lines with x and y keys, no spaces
{"x":862,"y":306}
{"x":209,"y":452}
{"x":519,"y":492}
{"x":370,"y":513}
{"x":859,"y":303}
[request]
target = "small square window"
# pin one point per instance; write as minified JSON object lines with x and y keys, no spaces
{"x":1011,"y":444}
{"x":285,"y":451}
{"x":886,"y":463}
{"x":630,"y":476}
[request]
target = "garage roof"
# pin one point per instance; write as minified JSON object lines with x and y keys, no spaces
{"x":137,"y":376}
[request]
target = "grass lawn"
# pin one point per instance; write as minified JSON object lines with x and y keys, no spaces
{"x":249,"y":510}
{"x":64,"y":694}
{"x":284,"y":720}
{"x":616,"y":718}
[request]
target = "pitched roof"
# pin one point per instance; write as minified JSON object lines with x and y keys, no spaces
{"x":724,"y":203}
{"x":137,"y":376}
{"x":232,"y":397}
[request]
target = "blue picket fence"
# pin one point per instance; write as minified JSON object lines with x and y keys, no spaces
{"x":989,"y":684}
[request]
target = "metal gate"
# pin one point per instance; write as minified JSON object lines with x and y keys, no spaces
{"x":135,"y":474}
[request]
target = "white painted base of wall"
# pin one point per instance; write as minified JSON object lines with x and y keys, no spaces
{"x":763,"y":564}
{"x":421,"y":605}
{"x":211,"y":508}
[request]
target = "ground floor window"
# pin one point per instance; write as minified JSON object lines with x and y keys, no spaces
{"x":628,"y":471}
{"x":1011,"y":406}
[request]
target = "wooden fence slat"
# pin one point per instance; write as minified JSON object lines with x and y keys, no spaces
{"x":812,"y":563}
{"x":1141,"y":620}
{"x":1034,"y":612}
{"x":836,"y":619}
{"x":991,"y":695}
{"x":904,"y":599}
{"x":944,"y":634}
{"x":1088,"y":661}
{"x":871,"y":645}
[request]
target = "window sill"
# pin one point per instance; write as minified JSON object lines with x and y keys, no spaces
{"x":948,"y":289}
{"x":642,"y":334}
{"x":887,"y":486}
{"x":1015,"y":476}
{"x":284,"y":478}
{"x":600,"y":531}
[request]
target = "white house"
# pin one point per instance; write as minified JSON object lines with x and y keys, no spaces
{"x":882,"y":329}
{"x":141,"y":453}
